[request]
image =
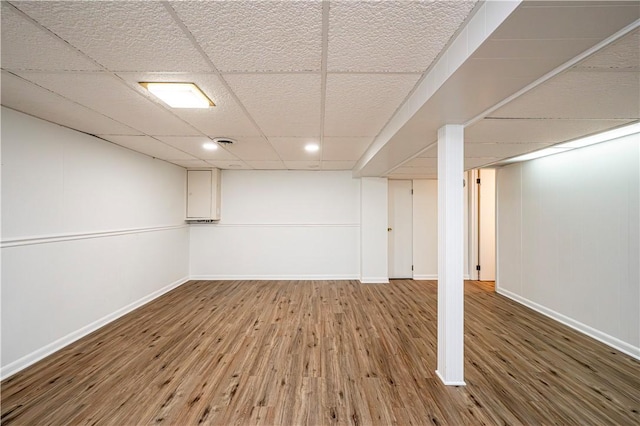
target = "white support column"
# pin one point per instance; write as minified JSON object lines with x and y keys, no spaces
{"x":451,"y":255}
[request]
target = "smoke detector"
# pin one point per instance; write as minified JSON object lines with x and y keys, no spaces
{"x":224,"y":141}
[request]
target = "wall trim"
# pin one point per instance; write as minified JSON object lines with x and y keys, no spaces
{"x":37,"y":355}
{"x":274,"y":277}
{"x":374,"y":280}
{"x":576,"y":325}
{"x":427,"y":277}
{"x":56,"y":238}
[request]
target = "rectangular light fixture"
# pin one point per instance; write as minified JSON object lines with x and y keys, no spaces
{"x":179,"y":95}
{"x":579,"y":143}
{"x":537,"y":154}
{"x":602,"y":137}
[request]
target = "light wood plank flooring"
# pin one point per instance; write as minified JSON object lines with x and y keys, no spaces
{"x":324,"y":352}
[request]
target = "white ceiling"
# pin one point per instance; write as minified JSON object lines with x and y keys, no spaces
{"x":283,"y":74}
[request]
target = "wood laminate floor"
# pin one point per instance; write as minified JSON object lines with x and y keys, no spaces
{"x":320,"y":353}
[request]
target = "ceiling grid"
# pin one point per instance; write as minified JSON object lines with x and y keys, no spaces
{"x":285,"y":74}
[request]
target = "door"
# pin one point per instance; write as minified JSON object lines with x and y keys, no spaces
{"x":400,"y":230}
{"x":487,"y":225}
{"x":198,"y":193}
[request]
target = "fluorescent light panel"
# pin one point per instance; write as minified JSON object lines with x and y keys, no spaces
{"x":179,"y":95}
{"x":580,"y":143}
{"x":602,"y":137}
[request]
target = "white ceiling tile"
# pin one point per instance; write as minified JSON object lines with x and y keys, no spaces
{"x":108,"y":95}
{"x":302,"y":165}
{"x":256,"y":149}
{"x":226,"y":118}
{"x":567,"y":20}
{"x":257,"y":36}
{"x":229,"y":165}
{"x":432,"y":150}
{"x":149,"y":146}
{"x":337,"y":165}
{"x":531,"y":48}
{"x":193,"y":146}
{"x":501,"y":150}
{"x":575,"y":94}
{"x":122,"y":36}
{"x":26,"y":46}
{"x":267,"y":165}
{"x":407,"y":169}
{"x":361,"y":104}
{"x":391,"y":36}
{"x":528,"y":131}
{"x":24,"y":96}
{"x":624,"y":54}
{"x":342,"y":149}
{"x":191,"y":163}
{"x":477,"y":163}
{"x":430,"y":163}
{"x":281,"y":104}
{"x":294,"y":148}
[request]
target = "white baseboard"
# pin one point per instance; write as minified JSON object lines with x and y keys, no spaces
{"x":35,"y":356}
{"x":434,"y":277}
{"x":425,"y":277}
{"x":274,"y":277}
{"x":374,"y":280}
{"x":449,"y":383}
{"x":614,"y":342}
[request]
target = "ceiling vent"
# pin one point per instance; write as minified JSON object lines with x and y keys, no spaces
{"x":224,"y":141}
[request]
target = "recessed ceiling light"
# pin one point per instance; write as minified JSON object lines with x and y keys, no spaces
{"x":179,"y":95}
{"x":210,"y":146}
{"x":312,"y":147}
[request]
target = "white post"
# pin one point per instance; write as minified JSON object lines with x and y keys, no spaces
{"x":451,"y":255}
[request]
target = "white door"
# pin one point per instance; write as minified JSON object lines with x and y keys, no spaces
{"x":198,"y":193}
{"x":400,"y":229}
{"x":487,"y":224}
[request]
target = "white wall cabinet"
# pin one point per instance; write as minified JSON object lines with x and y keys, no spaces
{"x":203,"y":194}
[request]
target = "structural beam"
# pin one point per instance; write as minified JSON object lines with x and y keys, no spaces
{"x":451,"y":255}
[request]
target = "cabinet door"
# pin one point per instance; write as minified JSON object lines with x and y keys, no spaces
{"x":198,"y":193}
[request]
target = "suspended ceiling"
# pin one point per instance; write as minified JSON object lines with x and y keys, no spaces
{"x":284,"y":74}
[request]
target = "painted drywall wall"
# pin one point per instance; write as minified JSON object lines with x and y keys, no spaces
{"x":568,"y":239}
{"x":425,"y":229}
{"x":374,"y":244}
{"x":281,"y":225}
{"x":90,"y":231}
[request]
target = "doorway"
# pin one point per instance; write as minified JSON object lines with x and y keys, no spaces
{"x":483,"y":223}
{"x":400,"y":229}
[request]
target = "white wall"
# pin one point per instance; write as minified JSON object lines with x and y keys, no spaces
{"x":425,"y":229}
{"x":374,"y":219}
{"x":568,"y":239}
{"x":281,"y":225}
{"x":90,"y":231}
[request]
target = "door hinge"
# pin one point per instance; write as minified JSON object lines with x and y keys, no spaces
{"x":477,"y":267}
{"x":478,"y":181}
{"x":412,"y":192}
{"x":412,"y":267}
